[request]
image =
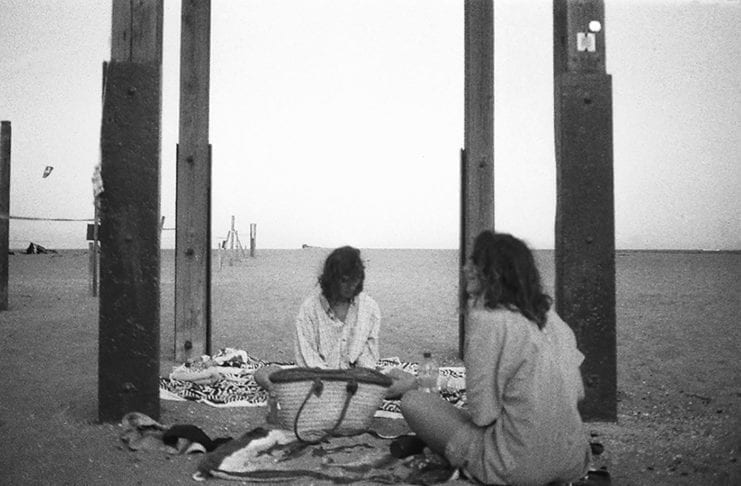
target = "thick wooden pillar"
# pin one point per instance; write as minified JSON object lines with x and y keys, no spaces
{"x":477,"y":157}
{"x":585,"y":221}
{"x":128,"y":358}
{"x":4,"y":211}
{"x":193,"y":191}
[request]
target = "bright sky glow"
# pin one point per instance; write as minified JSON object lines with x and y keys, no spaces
{"x":340,"y":121}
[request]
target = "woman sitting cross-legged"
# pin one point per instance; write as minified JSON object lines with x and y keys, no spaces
{"x":338,"y":327}
{"x":522,"y":425}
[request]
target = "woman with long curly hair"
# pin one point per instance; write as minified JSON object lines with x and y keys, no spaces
{"x":338,"y":326}
{"x":521,"y":425}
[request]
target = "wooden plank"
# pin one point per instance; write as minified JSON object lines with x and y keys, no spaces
{"x":193,"y":191}
{"x":585,"y":221}
{"x":5,"y":139}
{"x":477,"y":210}
{"x":129,"y":302}
{"x":573,"y":52}
{"x":136,"y":31}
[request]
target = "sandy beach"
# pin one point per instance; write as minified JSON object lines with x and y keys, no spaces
{"x":679,"y":375}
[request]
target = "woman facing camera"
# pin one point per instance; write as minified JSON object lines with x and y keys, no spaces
{"x":338,"y":326}
{"x":522,"y":425}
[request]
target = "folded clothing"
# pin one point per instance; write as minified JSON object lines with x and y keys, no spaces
{"x":141,"y":432}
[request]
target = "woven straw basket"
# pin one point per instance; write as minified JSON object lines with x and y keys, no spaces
{"x":314,"y":400}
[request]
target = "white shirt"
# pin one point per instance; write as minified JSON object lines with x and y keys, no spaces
{"x":324,"y":341}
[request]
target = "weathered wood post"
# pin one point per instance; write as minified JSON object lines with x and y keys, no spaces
{"x":91,"y":268}
{"x":4,"y":211}
{"x":93,"y":253}
{"x":477,"y":157}
{"x":96,"y":254}
{"x":253,"y":238}
{"x":585,"y":221}
{"x":193,"y":191}
{"x":128,"y":356}
{"x":232,"y":232}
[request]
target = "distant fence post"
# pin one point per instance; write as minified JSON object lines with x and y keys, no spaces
{"x":93,"y":255}
{"x":4,"y":211}
{"x":91,"y":268}
{"x":253,"y":238}
{"x":232,"y":232}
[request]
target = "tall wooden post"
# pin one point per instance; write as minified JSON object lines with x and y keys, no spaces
{"x":193,"y":191}
{"x":585,"y":221}
{"x":4,"y":211}
{"x":477,"y":157}
{"x":128,"y":357}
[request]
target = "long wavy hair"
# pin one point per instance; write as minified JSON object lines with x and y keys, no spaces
{"x":343,"y":262}
{"x":509,"y":277}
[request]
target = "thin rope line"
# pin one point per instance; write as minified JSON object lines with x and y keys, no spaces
{"x":30,"y":218}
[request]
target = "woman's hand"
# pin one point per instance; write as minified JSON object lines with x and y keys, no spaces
{"x":402,"y":383}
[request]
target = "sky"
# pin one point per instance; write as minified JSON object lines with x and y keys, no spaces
{"x":339,"y":122}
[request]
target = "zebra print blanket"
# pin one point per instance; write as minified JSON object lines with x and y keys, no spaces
{"x":231,"y":382}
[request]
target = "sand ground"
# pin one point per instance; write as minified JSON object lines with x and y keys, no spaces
{"x":679,"y":372}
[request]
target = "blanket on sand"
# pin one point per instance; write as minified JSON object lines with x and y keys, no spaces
{"x":226,"y":379}
{"x":277,"y":456}
{"x":269,"y":455}
{"x":262,"y":455}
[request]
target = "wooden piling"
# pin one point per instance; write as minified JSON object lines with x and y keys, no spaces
{"x":585,"y":228}
{"x":193,"y":191}
{"x":129,"y":310}
{"x":232,"y":232}
{"x":477,"y":166}
{"x":5,"y":135}
{"x":91,"y":268}
{"x":95,"y":274}
{"x":253,"y":238}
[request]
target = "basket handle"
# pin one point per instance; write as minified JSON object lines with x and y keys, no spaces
{"x":316,"y":389}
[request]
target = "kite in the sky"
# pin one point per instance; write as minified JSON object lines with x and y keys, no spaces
{"x":47,"y":171}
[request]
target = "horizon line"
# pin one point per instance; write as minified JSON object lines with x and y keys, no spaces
{"x":617,"y":250}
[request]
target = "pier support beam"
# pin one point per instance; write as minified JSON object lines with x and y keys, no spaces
{"x":193,"y":188}
{"x":128,"y":357}
{"x":477,"y":157}
{"x":585,"y":221}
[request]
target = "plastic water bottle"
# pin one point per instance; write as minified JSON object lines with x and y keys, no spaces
{"x":427,"y":374}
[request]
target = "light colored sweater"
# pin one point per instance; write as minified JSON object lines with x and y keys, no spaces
{"x":522,"y":388}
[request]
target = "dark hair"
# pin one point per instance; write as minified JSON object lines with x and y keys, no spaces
{"x":509,"y":276}
{"x":342,"y":262}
